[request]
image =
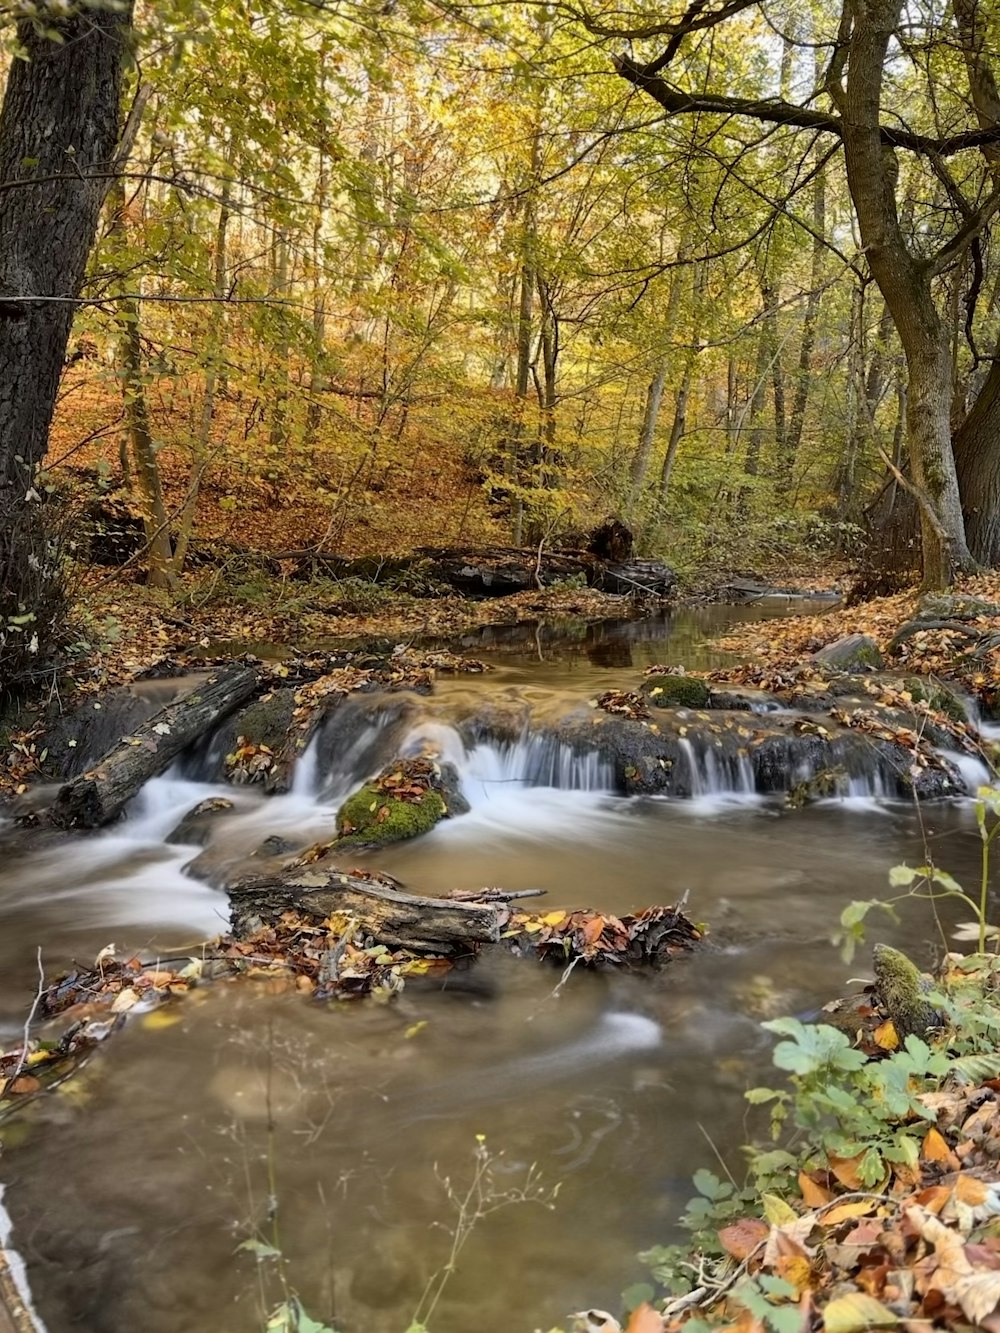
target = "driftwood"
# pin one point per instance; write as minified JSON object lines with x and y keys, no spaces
{"x":98,"y":796}
{"x":395,"y":918}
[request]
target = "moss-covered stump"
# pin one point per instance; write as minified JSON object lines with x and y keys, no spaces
{"x":407,"y":799}
{"x":676,"y":692}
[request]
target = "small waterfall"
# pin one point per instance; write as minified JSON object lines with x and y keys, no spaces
{"x":974,"y":772}
{"x":535,"y":760}
{"x":715,"y":772}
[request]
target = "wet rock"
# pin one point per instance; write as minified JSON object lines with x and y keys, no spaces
{"x":954,"y":606}
{"x":737,"y":700}
{"x":275,"y":845}
{"x":676,"y":692}
{"x":683,"y":753}
{"x":854,"y":652}
{"x":195,"y":829}
{"x":937,"y":695}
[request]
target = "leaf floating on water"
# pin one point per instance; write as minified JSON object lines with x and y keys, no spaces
{"x":159,"y":1019}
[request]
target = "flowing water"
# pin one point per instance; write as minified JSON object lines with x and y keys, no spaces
{"x":349,"y":1132}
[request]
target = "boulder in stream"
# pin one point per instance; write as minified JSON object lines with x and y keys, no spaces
{"x":407,"y":799}
{"x":670,"y":691}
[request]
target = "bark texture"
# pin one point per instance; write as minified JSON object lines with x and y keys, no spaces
{"x":401,"y":920}
{"x":58,"y":141}
{"x":99,"y":796}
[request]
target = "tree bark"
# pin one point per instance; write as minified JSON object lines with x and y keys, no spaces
{"x":99,"y":796}
{"x":906,"y":286}
{"x":977,"y":458}
{"x":59,"y":125}
{"x":400,"y":920}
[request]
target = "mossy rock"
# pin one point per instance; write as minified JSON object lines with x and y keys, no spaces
{"x":936,"y":696}
{"x":902,"y":991}
{"x":373,"y":817}
{"x":676,"y":692}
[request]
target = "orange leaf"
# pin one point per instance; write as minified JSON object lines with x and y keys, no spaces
{"x":935,"y":1149}
{"x":593,"y":930}
{"x":814,"y":1195}
{"x":644,"y":1319}
{"x":741,"y":1238}
{"x":794,"y":1268}
{"x":846,"y":1171}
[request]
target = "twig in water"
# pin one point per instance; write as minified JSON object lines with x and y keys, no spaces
{"x":22,"y":1058}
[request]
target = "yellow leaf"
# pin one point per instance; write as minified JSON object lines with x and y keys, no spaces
{"x":554,"y":918}
{"x":777,"y":1212}
{"x":124,"y":1001}
{"x":160,"y":1019}
{"x":414,"y":1028}
{"x":856,"y":1312}
{"x":886,"y":1036}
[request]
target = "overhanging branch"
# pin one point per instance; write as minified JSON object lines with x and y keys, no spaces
{"x":773,"y":111}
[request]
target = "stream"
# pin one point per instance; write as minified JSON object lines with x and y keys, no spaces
{"x":348,"y":1134}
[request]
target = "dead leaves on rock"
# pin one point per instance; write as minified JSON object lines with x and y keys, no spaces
{"x":623,"y":703}
{"x":597,"y":938}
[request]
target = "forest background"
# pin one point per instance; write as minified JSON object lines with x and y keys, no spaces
{"x":371,"y":276}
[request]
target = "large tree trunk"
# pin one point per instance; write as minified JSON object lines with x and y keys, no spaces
{"x":977,"y":458}
{"x":59,"y":126}
{"x":906,"y":286}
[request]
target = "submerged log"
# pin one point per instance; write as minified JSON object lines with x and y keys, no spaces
{"x":98,"y":796}
{"x":394,"y":918}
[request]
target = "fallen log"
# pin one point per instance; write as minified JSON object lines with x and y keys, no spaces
{"x":394,"y":918}
{"x":499,"y":571}
{"x":98,"y":796}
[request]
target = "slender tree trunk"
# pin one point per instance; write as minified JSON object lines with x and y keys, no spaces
{"x":770,"y":341}
{"x":525,"y":307}
{"x":132,"y":375}
{"x":647,"y":432}
{"x":215,"y":352}
{"x":803,"y":382}
{"x":654,"y":392}
{"x":677,"y":429}
{"x":61,"y":105}
{"x":278,"y":437}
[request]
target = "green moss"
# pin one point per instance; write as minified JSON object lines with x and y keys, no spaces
{"x":677,"y":692}
{"x":360,"y":821}
{"x":902,"y":991}
{"x":868,"y":655}
{"x":937,"y":697}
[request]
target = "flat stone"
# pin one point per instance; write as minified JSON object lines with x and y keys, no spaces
{"x":854,"y":652}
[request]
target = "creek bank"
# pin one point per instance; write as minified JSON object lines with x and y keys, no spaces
{"x":953,"y":637}
{"x":882,"y":1210}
